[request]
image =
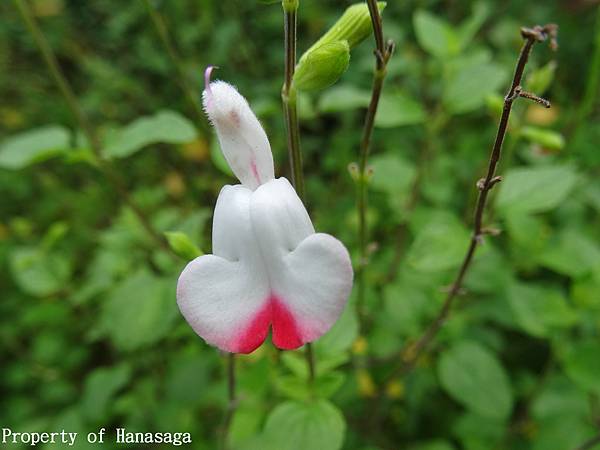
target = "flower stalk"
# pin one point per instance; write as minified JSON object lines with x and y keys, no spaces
{"x":290,"y":112}
{"x":531,"y":35}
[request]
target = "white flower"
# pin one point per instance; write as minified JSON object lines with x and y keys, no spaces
{"x":268,"y":268}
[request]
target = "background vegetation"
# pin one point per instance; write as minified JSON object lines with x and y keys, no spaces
{"x":90,"y":333}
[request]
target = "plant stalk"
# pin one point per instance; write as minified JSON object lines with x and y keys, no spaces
{"x":383,"y":52}
{"x":232,"y":400}
{"x":290,"y":112}
{"x":484,"y":185}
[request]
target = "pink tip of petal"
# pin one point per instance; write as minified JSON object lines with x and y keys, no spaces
{"x":286,"y":334}
{"x":207,"y":75}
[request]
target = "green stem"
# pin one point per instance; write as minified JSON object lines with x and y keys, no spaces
{"x":80,"y":117}
{"x":232,"y":400}
{"x":182,"y":80}
{"x":383,"y":53}
{"x":290,"y":112}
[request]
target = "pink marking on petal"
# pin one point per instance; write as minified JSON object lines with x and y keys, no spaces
{"x":256,"y":333}
{"x":255,"y":171}
{"x":286,"y":333}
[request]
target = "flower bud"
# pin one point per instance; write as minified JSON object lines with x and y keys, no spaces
{"x":243,"y":141}
{"x":323,"y":66}
{"x":354,"y":26}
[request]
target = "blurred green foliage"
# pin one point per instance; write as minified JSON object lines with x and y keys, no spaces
{"x":90,"y":331}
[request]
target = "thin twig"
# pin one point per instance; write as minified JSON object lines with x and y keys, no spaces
{"x":182,"y":80}
{"x":67,"y":92}
{"x":484,"y":185}
{"x":590,"y":443}
{"x":290,"y":112}
{"x":383,"y":52}
{"x":288,"y":96}
{"x":232,"y":400}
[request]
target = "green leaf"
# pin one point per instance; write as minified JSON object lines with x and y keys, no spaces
{"x":548,"y":139}
{"x":341,"y":336}
{"x":535,"y":189}
{"x":398,"y":109}
{"x":435,"y":35}
{"x":33,"y":146}
{"x":182,"y":245}
{"x":572,"y":253}
{"x":469,"y":27}
{"x":473,"y":376}
{"x":301,"y":426}
{"x":467,"y":89}
{"x":39,"y":272}
{"x":439,"y":246}
{"x":392,"y":174}
{"x":582,"y":364}
{"x":540,"y":79}
{"x":139,"y":311}
{"x":322,"y":66}
{"x":100,"y":387}
{"x":539,"y":311}
{"x":167,"y":127}
{"x":343,"y":98}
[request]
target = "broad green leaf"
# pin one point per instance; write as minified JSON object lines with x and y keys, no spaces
{"x":139,"y":311}
{"x":301,"y":426}
{"x":478,"y":432}
{"x":39,"y":272}
{"x":341,"y":336}
{"x":392,"y":174}
{"x":32,"y":146}
{"x":435,"y":35}
{"x":469,"y":27}
{"x":167,"y":127}
{"x":540,"y":79}
{"x":181,"y":244}
{"x":539,"y":311}
{"x":467,"y":89}
{"x":572,"y":253}
{"x":582,"y":364}
{"x":535,"y":189}
{"x":322,"y":67}
{"x":559,"y":397}
{"x":100,"y":387}
{"x":473,"y":376}
{"x":548,"y":139}
{"x":343,"y":98}
{"x":564,"y":432}
{"x":397,"y":109}
{"x":439,"y":246}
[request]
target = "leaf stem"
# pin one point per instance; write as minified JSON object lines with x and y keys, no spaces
{"x":290,"y":112}
{"x":383,"y":52}
{"x":232,"y":400}
{"x":484,"y":185}
{"x":67,"y":92}
{"x":163,"y":34}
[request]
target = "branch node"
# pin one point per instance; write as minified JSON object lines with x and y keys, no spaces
{"x":494,"y":181}
{"x":491,"y":231}
{"x":481,"y":184}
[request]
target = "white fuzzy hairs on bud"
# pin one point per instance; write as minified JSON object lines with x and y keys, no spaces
{"x":243,"y":140}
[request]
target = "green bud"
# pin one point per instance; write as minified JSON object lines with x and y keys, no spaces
{"x":182,"y":245}
{"x":354,"y":26}
{"x":322,"y":66}
{"x":548,"y":139}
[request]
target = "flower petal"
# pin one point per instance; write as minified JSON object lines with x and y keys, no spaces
{"x":225,"y":297}
{"x":310,"y":274}
{"x":243,"y":140}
